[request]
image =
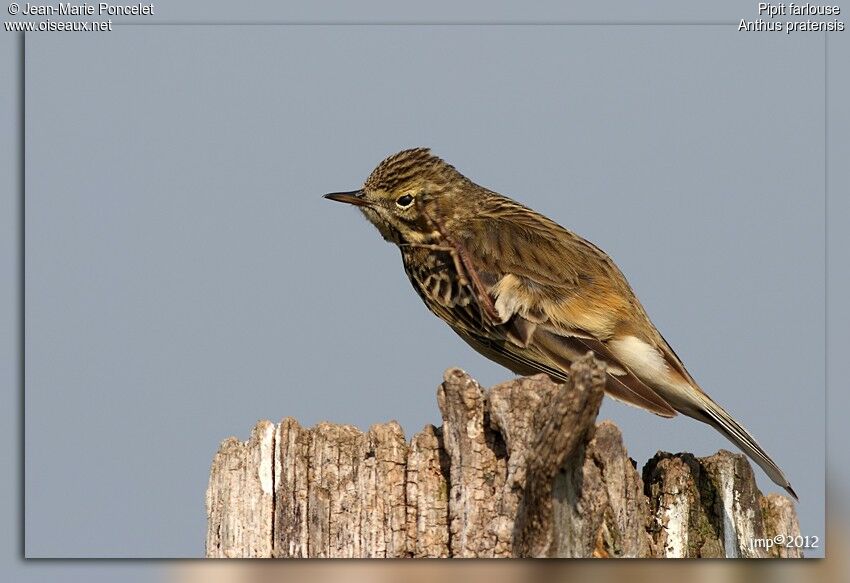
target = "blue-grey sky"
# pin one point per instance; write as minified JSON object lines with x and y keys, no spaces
{"x":184,"y":277}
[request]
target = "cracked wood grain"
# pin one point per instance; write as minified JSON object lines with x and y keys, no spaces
{"x":522,"y":469}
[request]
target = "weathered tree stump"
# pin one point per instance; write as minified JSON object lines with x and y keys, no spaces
{"x":519,"y":470}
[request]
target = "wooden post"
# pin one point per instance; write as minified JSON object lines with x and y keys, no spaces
{"x":519,"y":470}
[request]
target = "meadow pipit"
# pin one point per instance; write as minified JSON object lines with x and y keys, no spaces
{"x":526,"y":292}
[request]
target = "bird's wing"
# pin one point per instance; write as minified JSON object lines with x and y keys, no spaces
{"x":558,"y":297}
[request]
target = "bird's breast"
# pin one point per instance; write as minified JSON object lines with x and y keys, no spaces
{"x":435,"y":278}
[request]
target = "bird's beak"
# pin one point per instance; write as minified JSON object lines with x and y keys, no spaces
{"x":354,"y":197}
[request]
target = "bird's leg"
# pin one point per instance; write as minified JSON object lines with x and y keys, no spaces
{"x":484,"y":299}
{"x":461,"y":273}
{"x":464,"y":264}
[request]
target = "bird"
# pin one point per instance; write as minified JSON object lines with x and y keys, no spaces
{"x":529,"y":294}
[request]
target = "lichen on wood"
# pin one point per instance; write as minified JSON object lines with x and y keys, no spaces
{"x":521,"y":469}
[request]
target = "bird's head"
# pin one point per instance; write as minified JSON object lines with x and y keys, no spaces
{"x":408,"y":195}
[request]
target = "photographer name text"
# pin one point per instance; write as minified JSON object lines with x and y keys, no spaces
{"x":87,"y":9}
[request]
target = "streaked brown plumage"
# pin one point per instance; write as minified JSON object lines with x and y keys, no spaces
{"x":527,"y":293}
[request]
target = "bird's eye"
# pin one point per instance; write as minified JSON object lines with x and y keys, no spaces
{"x":404,"y":201}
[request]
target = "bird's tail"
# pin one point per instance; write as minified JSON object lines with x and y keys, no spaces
{"x":710,"y":412}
